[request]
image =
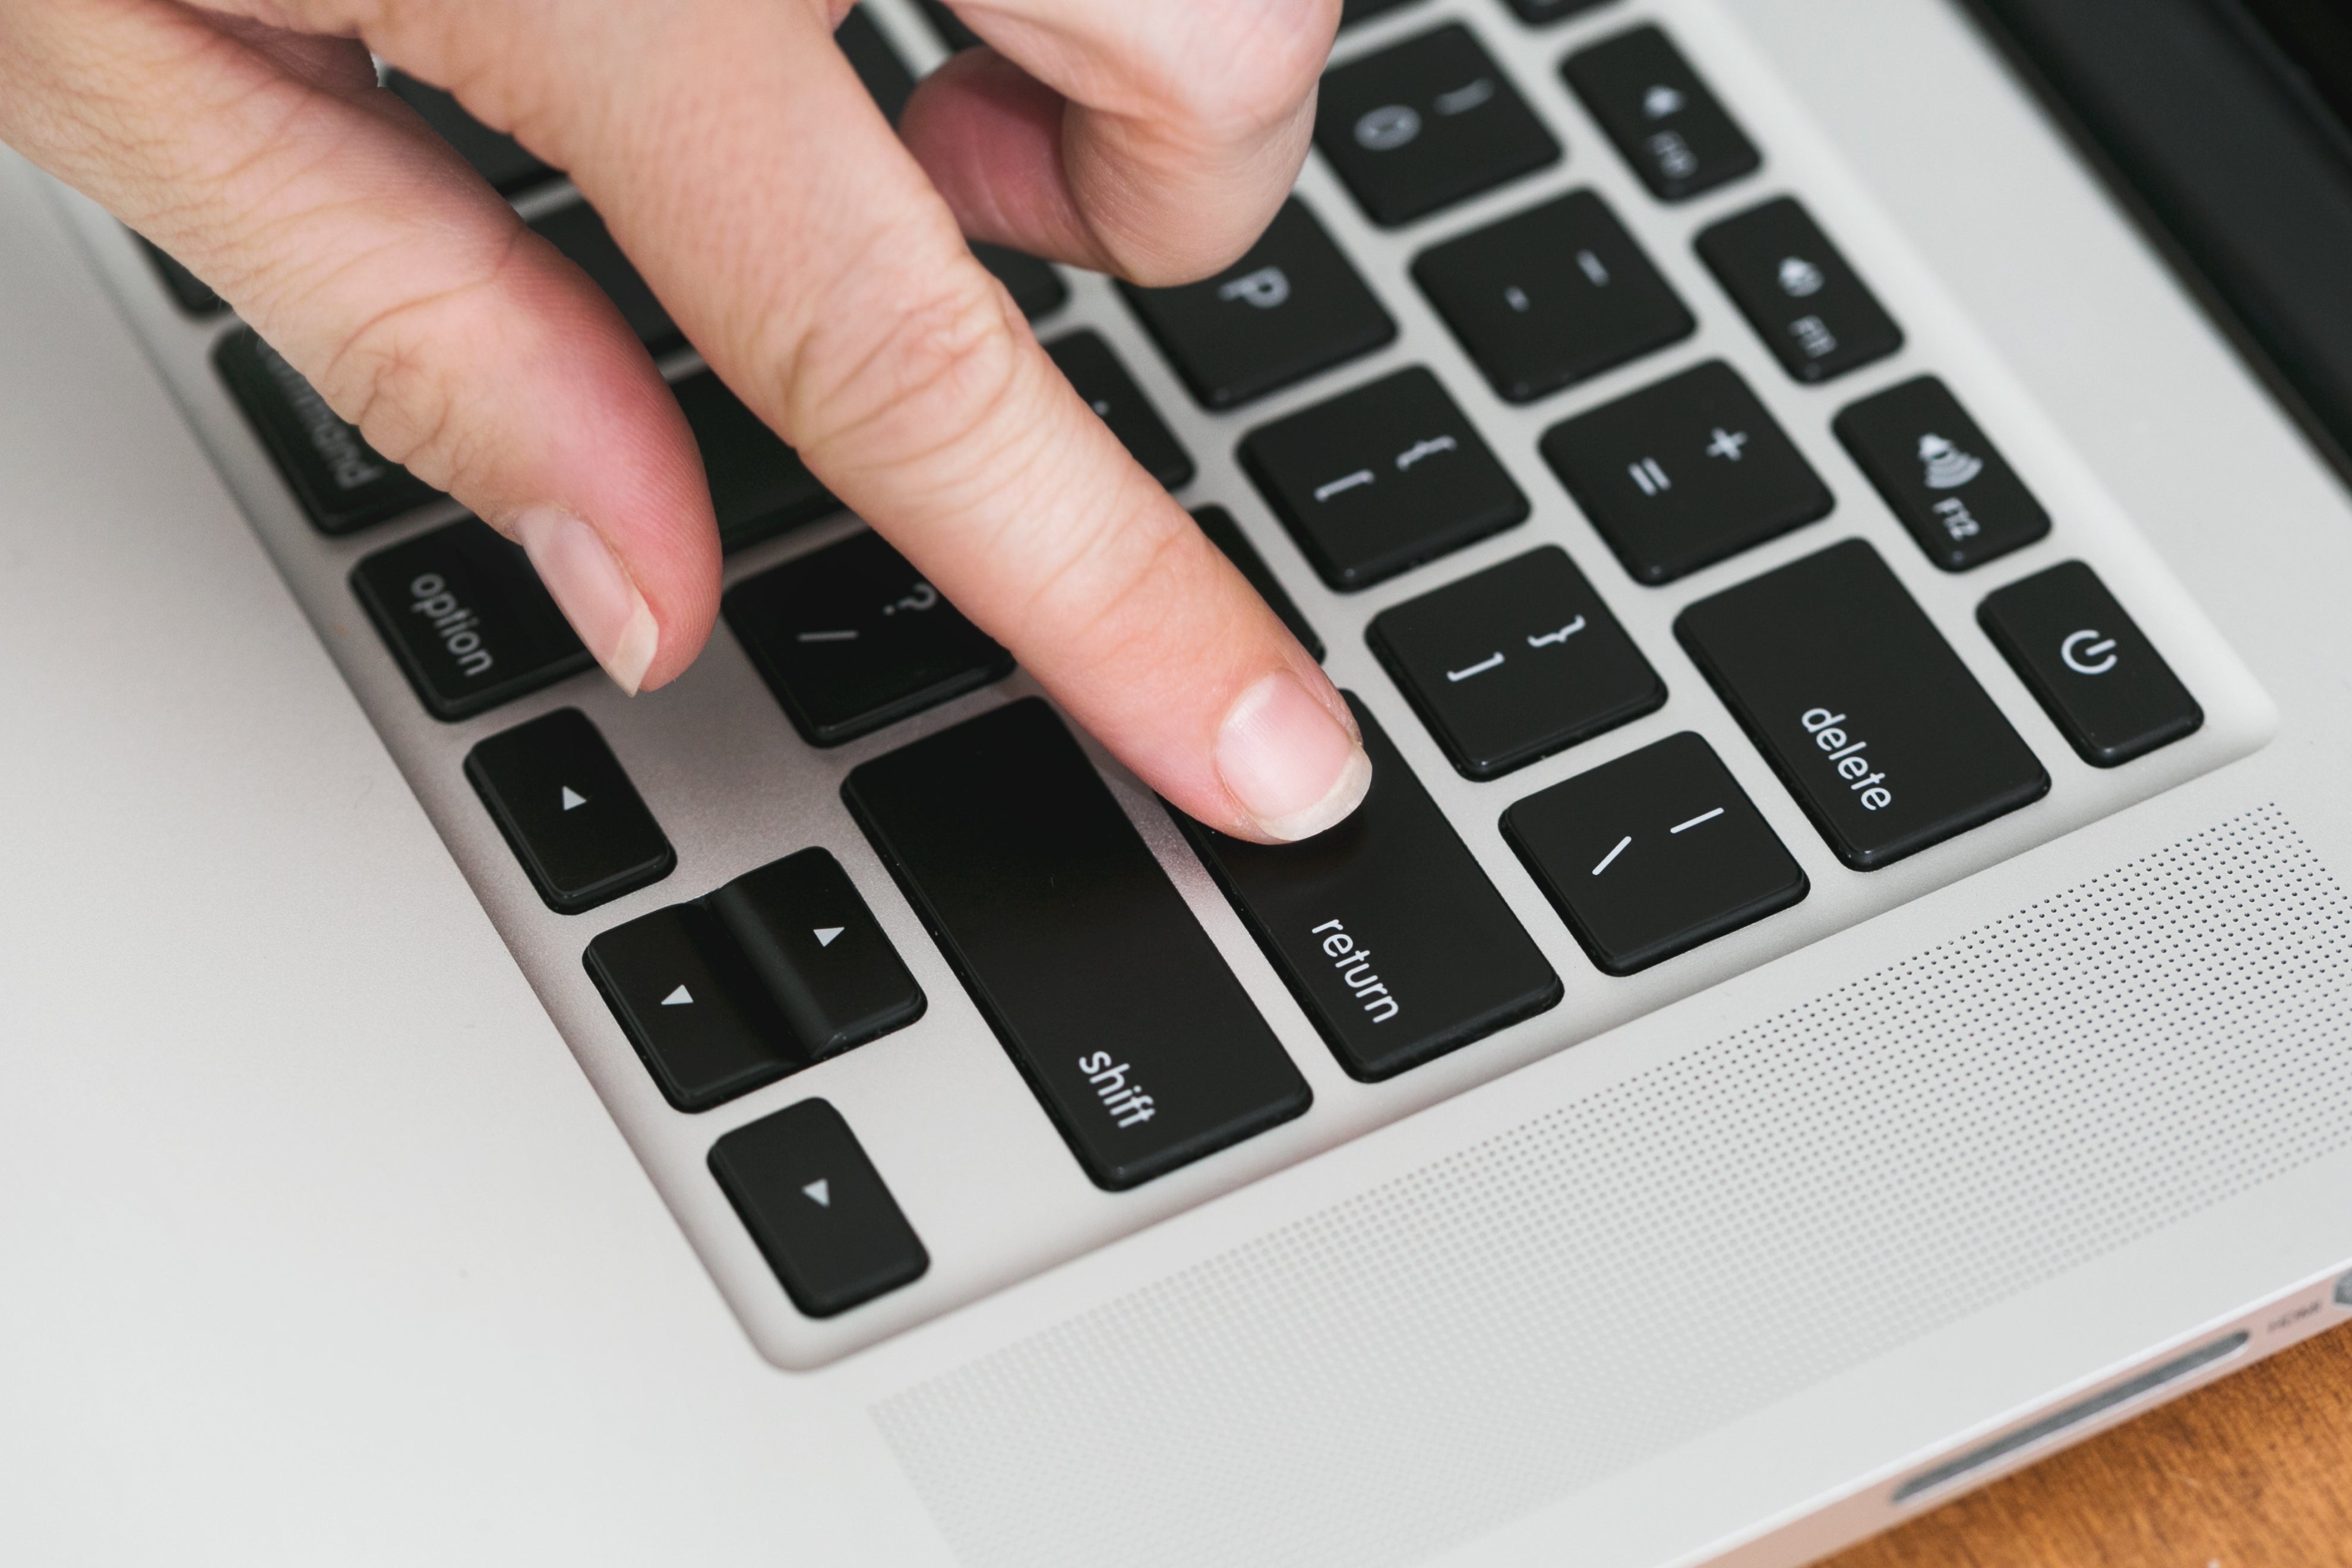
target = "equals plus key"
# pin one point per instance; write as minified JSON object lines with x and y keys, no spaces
{"x":1382,"y":478}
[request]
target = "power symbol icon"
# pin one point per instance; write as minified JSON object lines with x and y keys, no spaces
{"x":2088,"y":653}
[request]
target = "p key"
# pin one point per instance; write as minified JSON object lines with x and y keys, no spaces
{"x":1291,"y":307}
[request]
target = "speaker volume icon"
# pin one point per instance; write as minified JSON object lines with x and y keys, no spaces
{"x":1948,"y":467}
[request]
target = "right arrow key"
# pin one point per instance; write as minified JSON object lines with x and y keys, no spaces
{"x":818,"y":953}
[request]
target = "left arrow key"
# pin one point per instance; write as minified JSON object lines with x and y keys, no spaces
{"x":577,"y":825}
{"x":694,"y":1011}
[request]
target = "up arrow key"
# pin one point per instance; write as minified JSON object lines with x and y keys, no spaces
{"x":820,"y":1192}
{"x":572,"y":797}
{"x":825,"y":934}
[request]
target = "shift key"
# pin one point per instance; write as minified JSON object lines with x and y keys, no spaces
{"x":1140,"y":1045}
{"x":1385,"y":928}
{"x":1860,"y":705}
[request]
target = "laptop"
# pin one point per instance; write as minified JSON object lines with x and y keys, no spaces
{"x":1839,"y":988}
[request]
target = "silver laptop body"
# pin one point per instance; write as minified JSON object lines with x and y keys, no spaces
{"x":319,"y":1245}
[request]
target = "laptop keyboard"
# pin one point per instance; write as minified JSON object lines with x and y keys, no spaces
{"x":1597,"y":324}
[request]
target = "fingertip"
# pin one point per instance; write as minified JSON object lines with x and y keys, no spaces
{"x":1289,"y":760}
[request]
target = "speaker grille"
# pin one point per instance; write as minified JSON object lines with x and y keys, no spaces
{"x":1454,"y":1347}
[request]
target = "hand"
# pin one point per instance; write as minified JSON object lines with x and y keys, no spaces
{"x":813,"y":255}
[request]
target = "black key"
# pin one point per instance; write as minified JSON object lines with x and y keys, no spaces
{"x":1869,"y":718}
{"x":1679,"y":475}
{"x":1653,"y":854}
{"x":1515,"y":663}
{"x":850,"y":638}
{"x":1951,"y":487}
{"x":1382,"y":478}
{"x":341,"y":481}
{"x":1098,"y":377}
{"x":463,"y":614}
{"x":1227,"y":535}
{"x":949,"y":25}
{"x":878,"y":64}
{"x":581,"y":234}
{"x":1425,"y":123}
{"x":1140,"y":1044}
{"x":1291,"y":307}
{"x":1662,"y":118}
{"x":706,"y":1031}
{"x":570,"y":814}
{"x":818,"y":953}
{"x":817,"y":1208}
{"x":497,"y":157}
{"x":190,"y":292}
{"x":1354,"y":10}
{"x":1552,"y":296}
{"x":759,"y":485}
{"x":2102,"y":681}
{"x":1034,"y":285}
{"x":1385,"y":928}
{"x":1541,"y":11}
{"x":1808,"y":305}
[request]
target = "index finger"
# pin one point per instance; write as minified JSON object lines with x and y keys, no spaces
{"x":742,"y":164}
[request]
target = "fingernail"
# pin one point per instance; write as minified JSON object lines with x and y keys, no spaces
{"x":1289,"y":763}
{"x":593,"y":591}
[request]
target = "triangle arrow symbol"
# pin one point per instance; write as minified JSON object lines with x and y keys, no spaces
{"x":572,"y":797}
{"x":825,"y":934}
{"x":820,"y":1192}
{"x":681,"y":997}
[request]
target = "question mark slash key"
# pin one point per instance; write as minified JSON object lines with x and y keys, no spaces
{"x":849,"y":639}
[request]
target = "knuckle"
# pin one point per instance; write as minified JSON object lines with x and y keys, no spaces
{"x":399,"y":375}
{"x":901,"y":379}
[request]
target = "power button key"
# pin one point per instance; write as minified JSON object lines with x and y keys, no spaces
{"x":2101,"y":679}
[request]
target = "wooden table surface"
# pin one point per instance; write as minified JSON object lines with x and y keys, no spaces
{"x":2254,"y":1471}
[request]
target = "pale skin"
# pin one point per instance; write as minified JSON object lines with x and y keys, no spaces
{"x":812,"y":254}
